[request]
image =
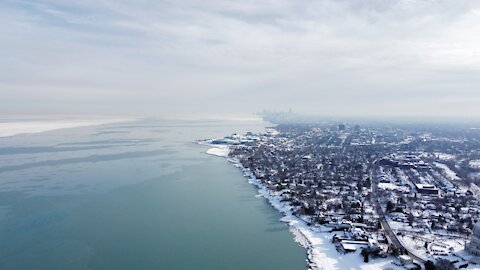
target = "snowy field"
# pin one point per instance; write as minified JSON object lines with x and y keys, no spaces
{"x":220,"y":151}
{"x":448,"y":172}
{"x":444,"y":156}
{"x":391,"y":186}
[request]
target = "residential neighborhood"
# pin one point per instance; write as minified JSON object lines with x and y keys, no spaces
{"x":406,"y":192}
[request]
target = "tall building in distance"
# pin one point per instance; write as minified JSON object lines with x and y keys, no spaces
{"x":356,"y":128}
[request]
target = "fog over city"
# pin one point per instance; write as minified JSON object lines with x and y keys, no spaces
{"x":361,"y":58}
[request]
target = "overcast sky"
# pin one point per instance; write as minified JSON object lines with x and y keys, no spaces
{"x":327,"y":57}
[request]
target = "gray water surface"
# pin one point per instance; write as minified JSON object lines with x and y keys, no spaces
{"x":139,"y":195}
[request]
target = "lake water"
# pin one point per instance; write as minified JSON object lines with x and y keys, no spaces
{"x":137,"y":195}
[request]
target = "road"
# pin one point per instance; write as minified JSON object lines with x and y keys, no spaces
{"x":383,"y":220}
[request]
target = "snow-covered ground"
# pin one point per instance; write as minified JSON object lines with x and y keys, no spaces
{"x":475,"y":164}
{"x":448,"y":172}
{"x":12,"y":128}
{"x":391,"y":186}
{"x":322,"y":253}
{"x":444,"y":156}
{"x":441,"y":243}
{"x":221,"y":151}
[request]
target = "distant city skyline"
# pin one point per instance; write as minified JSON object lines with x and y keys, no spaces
{"x":154,"y":58}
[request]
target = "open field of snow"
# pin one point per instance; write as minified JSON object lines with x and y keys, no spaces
{"x":221,"y":151}
{"x":448,"y":172}
{"x":391,"y":186}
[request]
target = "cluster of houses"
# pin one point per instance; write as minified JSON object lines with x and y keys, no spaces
{"x":328,"y":174}
{"x":420,"y":198}
{"x":324,"y":178}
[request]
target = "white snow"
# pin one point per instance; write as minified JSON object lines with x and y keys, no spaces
{"x":475,"y":164}
{"x":448,"y":172}
{"x":414,"y":245}
{"x":391,"y":186}
{"x":444,"y":156}
{"x":221,"y":151}
{"x":8,"y":129}
{"x":323,"y":254}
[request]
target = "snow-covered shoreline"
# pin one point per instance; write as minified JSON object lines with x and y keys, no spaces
{"x":283,"y":208}
{"x":12,"y":128}
{"x":219,"y":151}
{"x":321,"y":253}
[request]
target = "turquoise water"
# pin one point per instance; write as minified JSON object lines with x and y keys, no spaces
{"x":137,"y":195}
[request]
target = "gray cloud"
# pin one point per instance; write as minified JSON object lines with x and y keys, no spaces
{"x":182,"y":57}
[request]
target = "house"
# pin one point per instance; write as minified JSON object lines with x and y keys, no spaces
{"x":426,"y":189}
{"x":405,"y":259}
{"x":348,"y":247}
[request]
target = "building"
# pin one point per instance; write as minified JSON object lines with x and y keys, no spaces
{"x":348,"y":247}
{"x":426,"y":189}
{"x":405,"y":260}
{"x":473,"y":247}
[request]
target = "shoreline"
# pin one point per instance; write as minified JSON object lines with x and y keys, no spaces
{"x":321,"y":253}
{"x":275,"y":202}
{"x":298,"y":235}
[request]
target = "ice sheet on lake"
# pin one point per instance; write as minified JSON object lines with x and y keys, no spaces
{"x":8,"y":129}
